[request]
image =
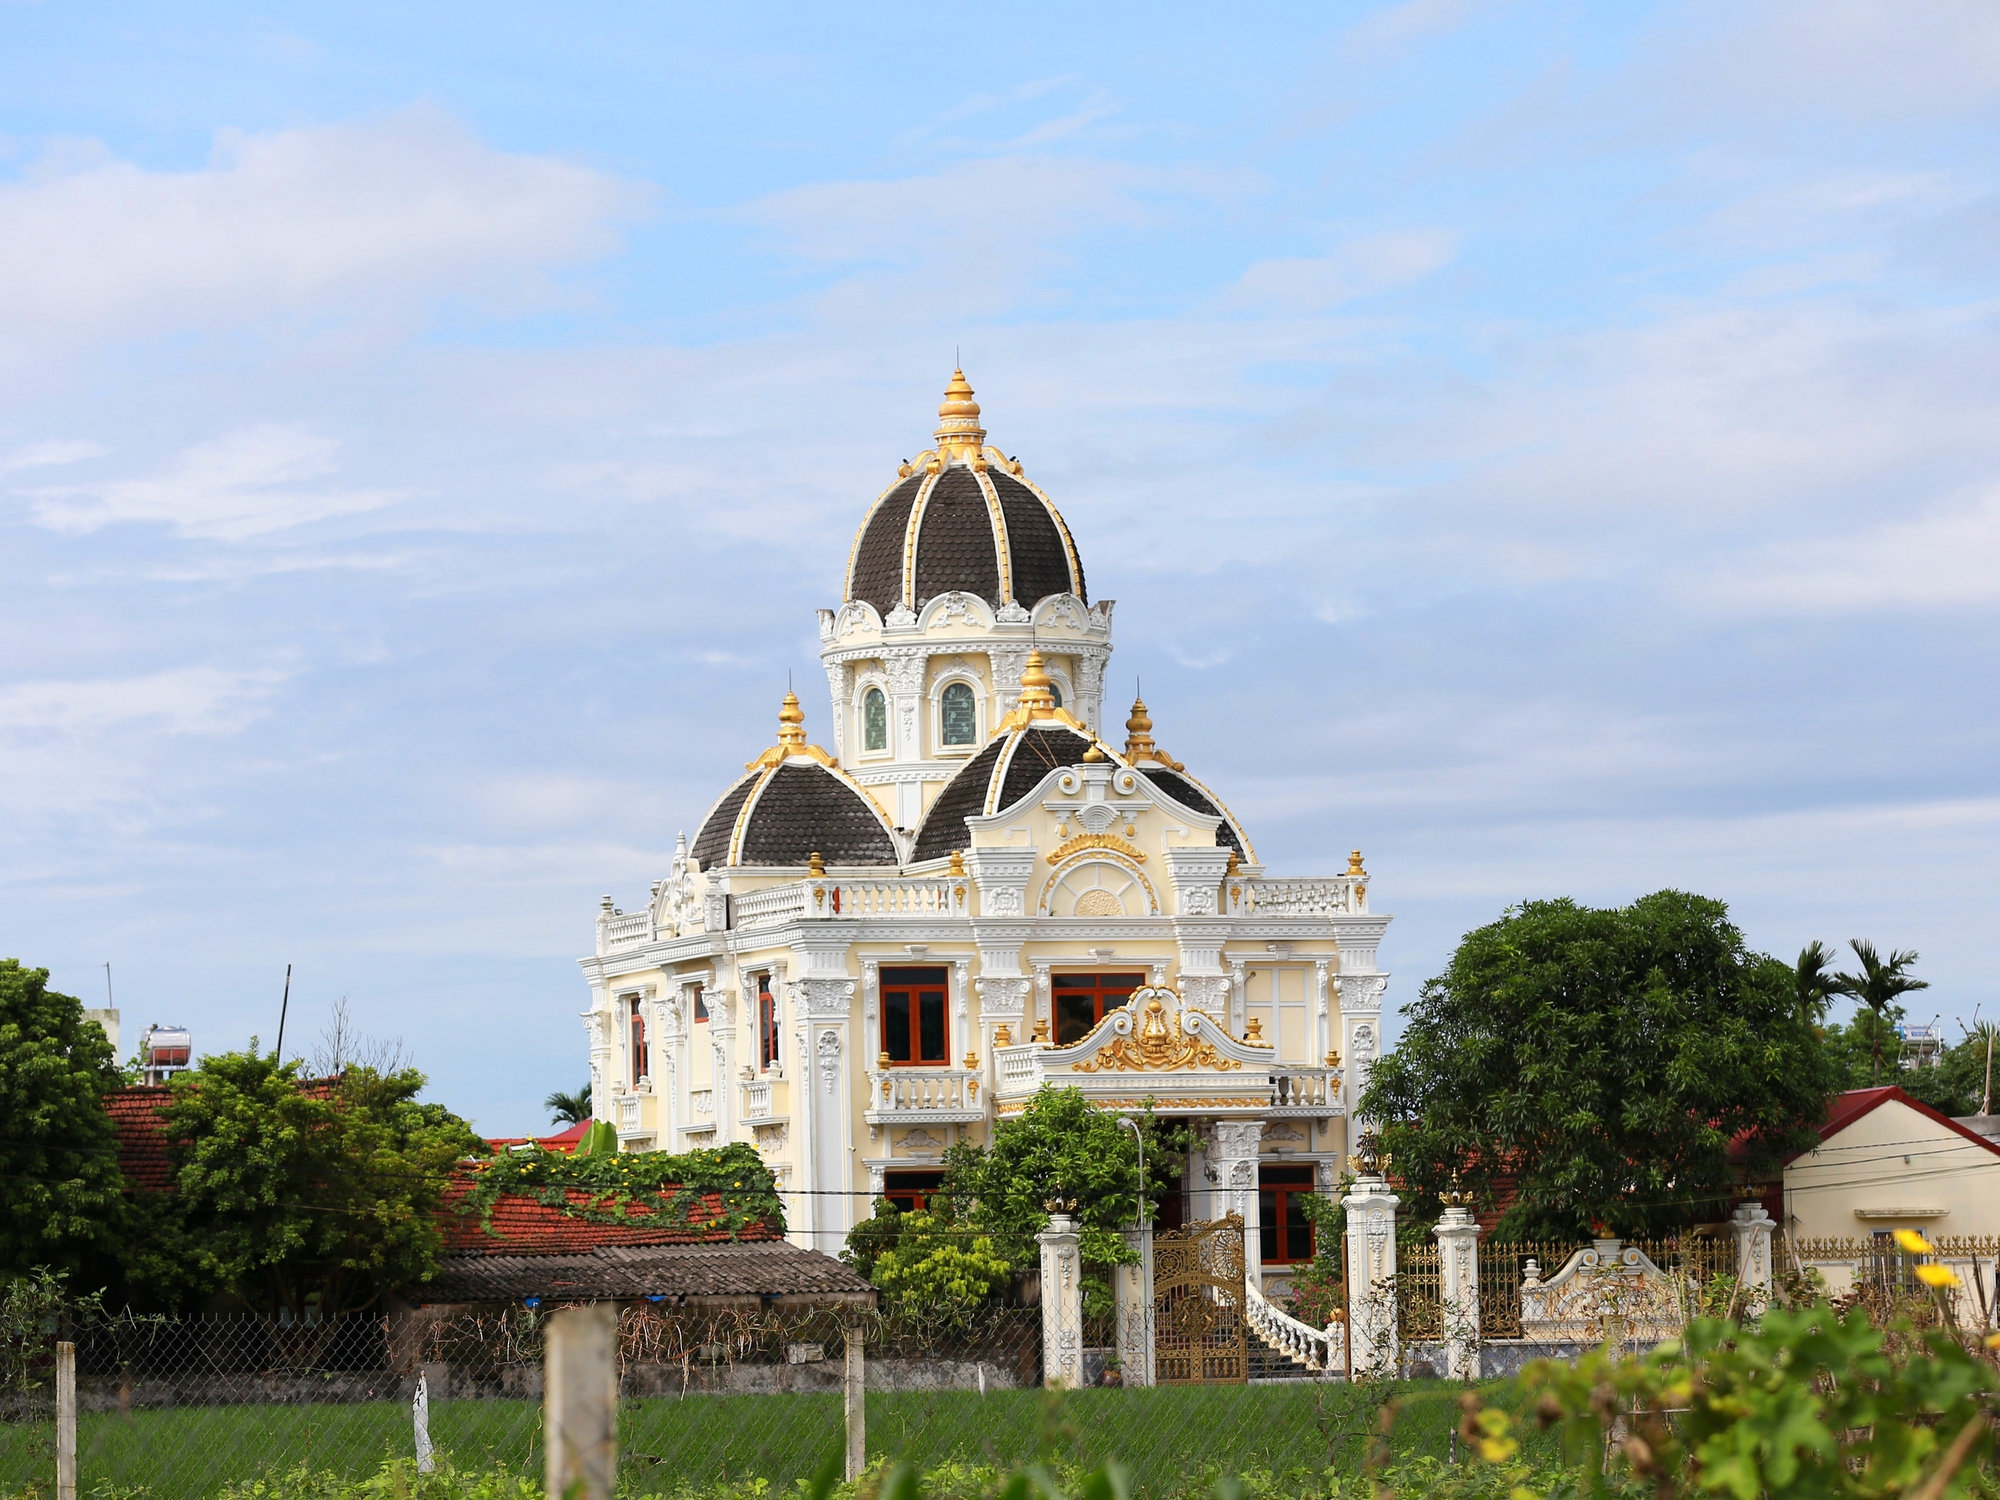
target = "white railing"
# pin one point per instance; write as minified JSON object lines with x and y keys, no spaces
{"x":702,"y":1101}
{"x":1020,"y":1068}
{"x":1337,"y":896}
{"x":1304,"y":1090}
{"x":757,"y":1099}
{"x":623,"y":929}
{"x":771,"y":906}
{"x":898,"y":898}
{"x":1321,"y":1350}
{"x":628,"y":1112}
{"x":912,"y":1095}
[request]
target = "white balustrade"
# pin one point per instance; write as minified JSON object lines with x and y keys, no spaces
{"x":1305,"y":1091}
{"x":623,"y":929}
{"x":1020,"y":1069}
{"x":757,"y":1099}
{"x":628,"y":1112}
{"x":912,"y":1096}
{"x":899,"y":898}
{"x":1320,"y":1350}
{"x":769,"y":907}
{"x":1332,"y":897}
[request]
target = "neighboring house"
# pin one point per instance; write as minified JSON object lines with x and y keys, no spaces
{"x":1886,"y":1162}
{"x":866,"y":956}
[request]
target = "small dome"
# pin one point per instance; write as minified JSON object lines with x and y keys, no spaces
{"x":1171,"y":777}
{"x":962,"y":518}
{"x":795,"y":804}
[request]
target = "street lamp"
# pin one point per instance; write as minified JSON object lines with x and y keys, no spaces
{"x":1138,"y":1139}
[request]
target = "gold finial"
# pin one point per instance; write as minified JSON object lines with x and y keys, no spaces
{"x":972,"y":1062}
{"x":1253,"y":1032}
{"x":813,"y":866}
{"x":1354,"y":866}
{"x":1035,"y":683}
{"x":1003,"y":1035}
{"x":1042,"y":1030}
{"x":791,"y":738}
{"x":1095,"y":753}
{"x":1138,"y":733}
{"x":1235,"y":864}
{"x":882,"y":1060}
{"x":958,"y":861}
{"x":959,"y":434}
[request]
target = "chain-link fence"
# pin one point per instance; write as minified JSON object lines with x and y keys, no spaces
{"x":717,"y":1398}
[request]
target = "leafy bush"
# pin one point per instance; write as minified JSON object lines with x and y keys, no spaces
{"x":939,"y":1265}
{"x":725,"y":1188}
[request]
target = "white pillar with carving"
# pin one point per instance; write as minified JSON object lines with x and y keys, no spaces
{"x":1751,"y":1227}
{"x":1232,"y":1153}
{"x":1458,"y":1264}
{"x":1132,"y":1296}
{"x":1062,"y":1304}
{"x":1371,"y":1277}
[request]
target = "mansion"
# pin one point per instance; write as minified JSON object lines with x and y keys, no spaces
{"x":885,"y":942}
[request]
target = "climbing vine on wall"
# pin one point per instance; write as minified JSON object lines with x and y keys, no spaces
{"x":729,"y":1188}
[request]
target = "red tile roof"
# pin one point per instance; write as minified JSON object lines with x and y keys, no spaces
{"x":522,"y":1225}
{"x":562,"y":1140}
{"x":142,"y":1136}
{"x":1852,"y":1105}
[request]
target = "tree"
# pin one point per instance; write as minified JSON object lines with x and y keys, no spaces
{"x":302,"y":1194}
{"x":1879,"y":986}
{"x":1605,"y":1061}
{"x":1813,"y":979}
{"x":64,"y":1202}
{"x":569,"y":1109}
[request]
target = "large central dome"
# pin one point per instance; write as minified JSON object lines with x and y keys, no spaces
{"x":962,"y":518}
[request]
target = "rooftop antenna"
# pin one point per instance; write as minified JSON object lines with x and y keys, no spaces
{"x":111,"y":1004}
{"x":284,"y":1006}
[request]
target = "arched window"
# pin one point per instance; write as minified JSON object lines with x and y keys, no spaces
{"x":874,"y":720}
{"x":1055,"y":692}
{"x":959,"y":715}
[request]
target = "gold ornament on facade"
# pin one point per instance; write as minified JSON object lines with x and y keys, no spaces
{"x":1042,"y":1031}
{"x":1159,"y":1046}
{"x":1139,"y":739}
{"x":1354,"y":869}
{"x":1036,"y":702}
{"x":1003,"y":1035}
{"x":814,"y":866}
{"x":1332,"y":1058}
{"x":1105,"y":841}
{"x":958,"y":431}
{"x":957,"y":862}
{"x":791,"y":739}
{"x":1253,"y":1033}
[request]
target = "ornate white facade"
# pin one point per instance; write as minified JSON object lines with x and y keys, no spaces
{"x":872,"y":952}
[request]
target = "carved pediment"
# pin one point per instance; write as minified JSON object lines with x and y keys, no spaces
{"x":1163,"y":1042}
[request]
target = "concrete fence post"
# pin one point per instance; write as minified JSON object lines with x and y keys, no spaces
{"x":580,"y":1403}
{"x":1458,"y":1266}
{"x":1751,"y":1228}
{"x":1374,"y":1339}
{"x":1132,"y":1294}
{"x":65,"y":1421}
{"x":420,"y":1417}
{"x":855,"y":1385}
{"x":1062,"y":1304}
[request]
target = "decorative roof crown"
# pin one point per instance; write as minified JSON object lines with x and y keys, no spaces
{"x":958,"y":431}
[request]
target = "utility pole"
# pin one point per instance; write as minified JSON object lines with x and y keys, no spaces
{"x":284,"y":1006}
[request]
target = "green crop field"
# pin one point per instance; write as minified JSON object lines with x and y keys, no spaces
{"x":1174,"y":1439}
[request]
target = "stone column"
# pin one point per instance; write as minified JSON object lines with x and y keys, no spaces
{"x":1232,"y":1151}
{"x":1062,"y":1304}
{"x":1372,"y":1332}
{"x":1132,"y":1291}
{"x":1751,"y":1228}
{"x":1458,"y":1261}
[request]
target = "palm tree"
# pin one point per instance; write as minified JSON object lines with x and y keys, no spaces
{"x":570,"y":1109}
{"x":1877,"y":986}
{"x":1815,"y":983}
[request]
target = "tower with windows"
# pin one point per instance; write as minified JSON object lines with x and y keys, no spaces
{"x":881,"y":944}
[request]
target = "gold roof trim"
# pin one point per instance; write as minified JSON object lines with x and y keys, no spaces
{"x":1158,"y":1045}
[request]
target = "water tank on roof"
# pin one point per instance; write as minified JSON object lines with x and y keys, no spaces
{"x":164,"y":1051}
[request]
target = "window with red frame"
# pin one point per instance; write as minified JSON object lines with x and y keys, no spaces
{"x":1286,"y":1232}
{"x":911,"y":1191}
{"x":635,"y":1021}
{"x":913,"y":1017}
{"x":700,"y":1005}
{"x":1082,"y":1000}
{"x":767,"y":1022}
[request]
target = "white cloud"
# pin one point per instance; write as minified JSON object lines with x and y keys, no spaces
{"x":56,"y":451}
{"x":244,"y":484}
{"x":1359,"y":268}
{"x":181,"y":700}
{"x":409,"y":204}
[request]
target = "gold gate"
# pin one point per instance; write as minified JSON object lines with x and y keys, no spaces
{"x":1200,"y":1337}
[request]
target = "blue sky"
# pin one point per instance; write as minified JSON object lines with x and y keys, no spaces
{"x":1551,"y":447}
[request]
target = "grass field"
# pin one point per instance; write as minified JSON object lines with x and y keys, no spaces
{"x":1173,"y":1438}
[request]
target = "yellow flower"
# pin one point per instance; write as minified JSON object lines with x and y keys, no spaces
{"x":1993,"y":1340}
{"x":1498,"y":1450}
{"x":1939,"y":1276}
{"x":1914,"y":1243}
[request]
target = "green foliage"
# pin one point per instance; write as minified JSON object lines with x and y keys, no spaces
{"x":1954,"y":1087}
{"x":1805,"y":1406}
{"x":63,"y":1205}
{"x":1604,"y":1060}
{"x":31,"y":1306}
{"x":1880,"y":985}
{"x":598,"y":1140}
{"x":569,"y":1109}
{"x":295,"y":1194}
{"x":397,"y":1479}
{"x":936,"y":1265}
{"x":1062,"y":1147}
{"x":728,"y":1188}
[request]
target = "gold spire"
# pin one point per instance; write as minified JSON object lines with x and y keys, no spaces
{"x":959,"y":434}
{"x":791,"y":738}
{"x":1035,"y":683}
{"x":1138,"y":733}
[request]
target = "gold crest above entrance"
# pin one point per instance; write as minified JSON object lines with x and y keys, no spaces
{"x":1161,"y":1045}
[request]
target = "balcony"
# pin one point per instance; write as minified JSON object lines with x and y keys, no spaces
{"x":1339,"y":896}
{"x":618,"y":930}
{"x":1304,"y":1091}
{"x":924,"y":1096}
{"x":628,"y":1112}
{"x":763,"y":1099}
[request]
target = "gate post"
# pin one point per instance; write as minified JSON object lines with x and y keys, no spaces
{"x":1062,"y":1303}
{"x":1233,"y":1147}
{"x":1458,"y":1265}
{"x":1132,"y":1292}
{"x":1374,"y":1344}
{"x":1750,"y":1226}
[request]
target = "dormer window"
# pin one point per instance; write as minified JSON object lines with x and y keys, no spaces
{"x":874,"y":720}
{"x":958,"y":715}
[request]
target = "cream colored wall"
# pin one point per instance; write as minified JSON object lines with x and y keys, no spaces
{"x":1894,"y":1158}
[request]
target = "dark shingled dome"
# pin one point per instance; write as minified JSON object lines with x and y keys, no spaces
{"x":711,"y":844}
{"x":797,"y":811}
{"x":958,"y":543}
{"x":1185,"y":792}
{"x":963,"y":796}
{"x":1019,"y":759}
